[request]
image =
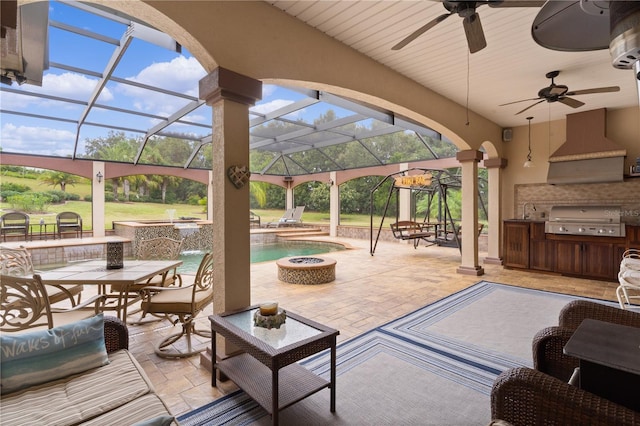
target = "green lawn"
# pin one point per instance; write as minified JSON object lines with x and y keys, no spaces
{"x":118,"y":211}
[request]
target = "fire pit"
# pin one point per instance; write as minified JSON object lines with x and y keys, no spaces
{"x":306,"y":270}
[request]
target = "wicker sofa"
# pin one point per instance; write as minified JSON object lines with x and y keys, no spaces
{"x":116,"y":393}
{"x":525,"y":396}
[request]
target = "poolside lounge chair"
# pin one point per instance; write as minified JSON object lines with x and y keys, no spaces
{"x":254,"y":220}
{"x":286,"y":216}
{"x":295,"y":219}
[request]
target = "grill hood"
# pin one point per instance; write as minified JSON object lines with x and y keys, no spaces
{"x":587,"y":156}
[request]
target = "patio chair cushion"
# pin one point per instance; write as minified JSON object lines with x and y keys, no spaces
{"x":117,"y":393}
{"x":41,"y":356}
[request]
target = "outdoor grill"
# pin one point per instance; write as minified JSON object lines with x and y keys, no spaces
{"x":585,"y":220}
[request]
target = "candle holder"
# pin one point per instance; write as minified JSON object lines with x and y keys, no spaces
{"x":115,"y":255}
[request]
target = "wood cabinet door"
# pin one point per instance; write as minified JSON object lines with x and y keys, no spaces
{"x":542,"y":255}
{"x":598,"y":260}
{"x":516,"y":247}
{"x":569,"y":257}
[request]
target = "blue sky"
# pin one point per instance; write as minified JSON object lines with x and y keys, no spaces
{"x":143,"y":62}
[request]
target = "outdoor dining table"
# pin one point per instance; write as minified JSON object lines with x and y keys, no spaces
{"x":96,"y":272}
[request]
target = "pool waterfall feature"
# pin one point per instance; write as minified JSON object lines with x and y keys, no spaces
{"x":197,"y":234}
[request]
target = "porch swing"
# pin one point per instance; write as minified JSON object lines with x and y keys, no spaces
{"x":444,"y":231}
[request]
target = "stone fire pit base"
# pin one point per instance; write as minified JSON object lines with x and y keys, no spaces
{"x":306,"y":270}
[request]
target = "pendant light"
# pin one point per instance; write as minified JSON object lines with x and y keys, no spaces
{"x":529,"y":162}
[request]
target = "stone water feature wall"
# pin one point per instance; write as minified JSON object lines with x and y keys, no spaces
{"x":198,"y":235}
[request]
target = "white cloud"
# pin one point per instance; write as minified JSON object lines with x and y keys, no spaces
{"x":267,"y":107}
{"x":36,"y":140}
{"x":268,"y":89}
{"x":66,"y":85}
{"x":179,"y":75}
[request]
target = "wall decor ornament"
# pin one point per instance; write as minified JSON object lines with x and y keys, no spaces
{"x":238,"y":175}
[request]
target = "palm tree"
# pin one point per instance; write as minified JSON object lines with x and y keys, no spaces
{"x":55,"y":178}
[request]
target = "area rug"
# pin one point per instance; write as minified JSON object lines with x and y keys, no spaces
{"x":434,"y":366}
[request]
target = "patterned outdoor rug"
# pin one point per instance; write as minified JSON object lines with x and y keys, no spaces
{"x":434,"y":366}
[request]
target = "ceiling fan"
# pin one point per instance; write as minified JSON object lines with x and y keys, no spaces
{"x":560,"y":93}
{"x":470,"y":21}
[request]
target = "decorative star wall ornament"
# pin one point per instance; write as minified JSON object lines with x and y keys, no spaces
{"x":238,"y":175}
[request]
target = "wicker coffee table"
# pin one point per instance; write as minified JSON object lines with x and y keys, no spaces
{"x":268,"y":370}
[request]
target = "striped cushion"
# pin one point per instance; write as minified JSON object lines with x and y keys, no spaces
{"x":93,"y":396}
{"x":42,"y":356}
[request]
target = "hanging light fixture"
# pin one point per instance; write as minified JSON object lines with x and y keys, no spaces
{"x":529,"y":162}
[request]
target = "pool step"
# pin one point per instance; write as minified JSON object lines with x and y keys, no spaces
{"x":315,"y":232}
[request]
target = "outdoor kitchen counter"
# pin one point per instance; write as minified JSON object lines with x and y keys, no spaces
{"x":527,"y":246}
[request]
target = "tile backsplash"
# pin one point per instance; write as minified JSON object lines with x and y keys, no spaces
{"x":544,"y":196}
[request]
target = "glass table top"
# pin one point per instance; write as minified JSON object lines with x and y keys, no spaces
{"x":292,"y":331}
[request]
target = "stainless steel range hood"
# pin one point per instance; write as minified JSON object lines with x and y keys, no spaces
{"x":587,"y":156}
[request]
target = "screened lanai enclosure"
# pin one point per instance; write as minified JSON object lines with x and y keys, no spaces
{"x":92,"y":83}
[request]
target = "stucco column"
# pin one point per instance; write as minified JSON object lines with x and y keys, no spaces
{"x":404,"y":199}
{"x":334,"y":204}
{"x":97,"y":199}
{"x":469,"y":160}
{"x":494,"y":209}
{"x":288,"y":198}
{"x":210,"y":196}
{"x":230,"y":94}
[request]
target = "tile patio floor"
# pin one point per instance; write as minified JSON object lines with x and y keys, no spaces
{"x":368,"y":291}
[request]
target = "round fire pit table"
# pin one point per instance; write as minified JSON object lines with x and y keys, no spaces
{"x":306,"y":270}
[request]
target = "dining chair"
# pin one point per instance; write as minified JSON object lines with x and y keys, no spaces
{"x":18,"y":262}
{"x":161,"y":248}
{"x":184,"y":302}
{"x":25,"y":306}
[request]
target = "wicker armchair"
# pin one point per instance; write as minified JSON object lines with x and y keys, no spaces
{"x":16,"y":223}
{"x":549,"y":342}
{"x":69,"y":222}
{"x":523,"y":397}
{"x":116,"y":334}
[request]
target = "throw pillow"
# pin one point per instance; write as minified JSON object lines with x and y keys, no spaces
{"x":28,"y":359}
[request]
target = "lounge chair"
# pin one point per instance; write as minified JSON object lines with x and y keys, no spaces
{"x":286,"y":216}
{"x":296,"y":217}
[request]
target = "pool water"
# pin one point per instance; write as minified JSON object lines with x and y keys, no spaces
{"x":265,"y":252}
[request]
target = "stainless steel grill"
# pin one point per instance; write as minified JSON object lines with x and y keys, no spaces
{"x":585,"y":220}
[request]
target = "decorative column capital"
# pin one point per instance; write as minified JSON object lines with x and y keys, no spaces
{"x":469,"y":155}
{"x":223,"y":84}
{"x":492,"y":163}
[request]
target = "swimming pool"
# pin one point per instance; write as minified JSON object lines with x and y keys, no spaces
{"x":265,"y":252}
